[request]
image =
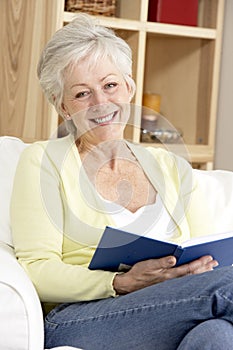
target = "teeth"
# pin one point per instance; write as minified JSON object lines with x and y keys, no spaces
{"x":104,"y":119}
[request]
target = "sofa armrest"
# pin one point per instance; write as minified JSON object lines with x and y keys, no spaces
{"x":21,"y":318}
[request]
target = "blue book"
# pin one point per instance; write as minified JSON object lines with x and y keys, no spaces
{"x":119,"y":250}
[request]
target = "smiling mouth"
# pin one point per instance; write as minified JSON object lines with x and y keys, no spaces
{"x":106,"y":119}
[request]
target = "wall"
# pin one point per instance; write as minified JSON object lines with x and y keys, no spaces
{"x":25,"y":27}
{"x":224,"y":131}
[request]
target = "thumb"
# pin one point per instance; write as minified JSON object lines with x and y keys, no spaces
{"x":169,"y":261}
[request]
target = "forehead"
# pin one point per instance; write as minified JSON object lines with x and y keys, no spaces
{"x":89,"y":69}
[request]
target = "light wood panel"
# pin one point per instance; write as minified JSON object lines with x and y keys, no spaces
{"x":129,"y":9}
{"x":216,"y":73}
{"x":25,"y":27}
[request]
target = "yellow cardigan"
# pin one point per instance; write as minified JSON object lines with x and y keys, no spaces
{"x":57,"y":217}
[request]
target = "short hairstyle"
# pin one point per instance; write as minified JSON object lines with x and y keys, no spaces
{"x":77,"y":40}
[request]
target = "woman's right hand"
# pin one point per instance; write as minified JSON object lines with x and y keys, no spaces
{"x":148,"y":272}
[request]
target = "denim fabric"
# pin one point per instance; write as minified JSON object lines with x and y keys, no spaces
{"x":214,"y":334}
{"x":162,"y":316}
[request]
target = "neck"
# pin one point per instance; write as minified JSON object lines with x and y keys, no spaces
{"x":108,"y":152}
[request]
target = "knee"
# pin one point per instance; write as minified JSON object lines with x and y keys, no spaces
{"x":209,"y":335}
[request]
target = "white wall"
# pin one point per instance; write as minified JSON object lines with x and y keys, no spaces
{"x":224,"y":131}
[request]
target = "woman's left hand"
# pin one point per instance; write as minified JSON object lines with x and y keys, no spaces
{"x":148,"y":272}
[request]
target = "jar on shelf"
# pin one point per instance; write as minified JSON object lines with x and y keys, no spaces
{"x":152,"y":101}
{"x":155,"y":127}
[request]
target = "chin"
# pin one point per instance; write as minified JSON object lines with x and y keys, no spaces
{"x":107,"y":133}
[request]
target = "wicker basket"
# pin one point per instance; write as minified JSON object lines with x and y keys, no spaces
{"x":92,"y":7}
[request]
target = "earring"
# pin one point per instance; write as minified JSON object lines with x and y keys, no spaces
{"x":68,"y":117}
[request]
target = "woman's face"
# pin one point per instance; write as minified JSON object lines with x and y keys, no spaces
{"x":96,"y":97}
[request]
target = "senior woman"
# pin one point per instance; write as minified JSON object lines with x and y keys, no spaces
{"x":68,"y":190}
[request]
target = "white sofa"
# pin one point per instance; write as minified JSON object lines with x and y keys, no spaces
{"x":21,"y":321}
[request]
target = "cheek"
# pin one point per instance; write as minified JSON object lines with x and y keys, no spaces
{"x":75,"y":107}
{"x":79,"y":119}
{"x":124,"y":96}
{"x":128,"y":94}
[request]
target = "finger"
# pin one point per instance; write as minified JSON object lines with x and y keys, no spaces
{"x":209,"y":260}
{"x":156,"y":264}
{"x":167,"y":262}
{"x":205,"y":263}
{"x":163,"y":263}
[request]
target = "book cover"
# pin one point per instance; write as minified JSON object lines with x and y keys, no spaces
{"x":118,"y":250}
{"x":181,"y":12}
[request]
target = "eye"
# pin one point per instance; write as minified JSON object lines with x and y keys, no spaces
{"x":82,"y":94}
{"x":110,"y":85}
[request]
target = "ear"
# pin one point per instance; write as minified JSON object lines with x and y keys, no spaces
{"x":131,"y":88}
{"x":65,"y":112}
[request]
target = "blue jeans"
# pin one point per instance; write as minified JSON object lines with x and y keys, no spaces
{"x":192,"y":312}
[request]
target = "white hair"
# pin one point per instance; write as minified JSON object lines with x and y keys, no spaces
{"x":77,"y":40}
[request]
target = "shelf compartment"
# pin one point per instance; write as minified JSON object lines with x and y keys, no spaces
{"x":129,"y":9}
{"x":207,"y":14}
{"x":180,"y":70}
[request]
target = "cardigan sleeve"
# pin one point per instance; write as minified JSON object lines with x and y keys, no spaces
{"x":37,"y":231}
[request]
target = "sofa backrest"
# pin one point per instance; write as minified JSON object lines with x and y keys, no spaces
{"x":10,"y":149}
{"x":217,"y":187}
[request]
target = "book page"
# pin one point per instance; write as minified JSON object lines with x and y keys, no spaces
{"x":209,"y":238}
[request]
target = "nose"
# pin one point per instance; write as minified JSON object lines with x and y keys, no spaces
{"x":99,"y":97}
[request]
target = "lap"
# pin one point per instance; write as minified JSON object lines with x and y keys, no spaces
{"x":159,"y":315}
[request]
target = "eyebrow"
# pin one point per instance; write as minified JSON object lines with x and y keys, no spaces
{"x":78,"y":84}
{"x":84,"y":84}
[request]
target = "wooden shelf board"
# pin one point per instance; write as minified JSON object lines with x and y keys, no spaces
{"x":112,"y":22}
{"x":150,"y":27}
{"x":193,"y":153}
{"x":180,"y":30}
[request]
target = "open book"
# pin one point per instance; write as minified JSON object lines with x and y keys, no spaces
{"x":118,"y":250}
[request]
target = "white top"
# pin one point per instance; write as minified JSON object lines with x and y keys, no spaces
{"x":152,"y":221}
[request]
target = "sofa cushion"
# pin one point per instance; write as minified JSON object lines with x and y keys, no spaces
{"x":21,"y":317}
{"x":10,"y":149}
{"x":217,"y":187}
